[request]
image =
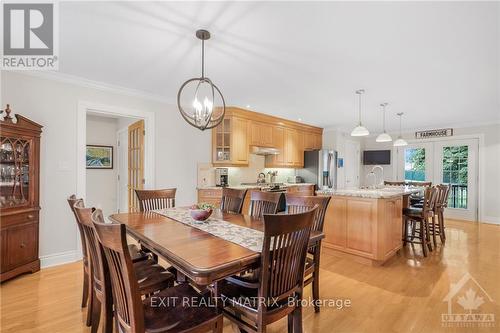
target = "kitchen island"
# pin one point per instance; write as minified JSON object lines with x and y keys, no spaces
{"x":365,"y":224}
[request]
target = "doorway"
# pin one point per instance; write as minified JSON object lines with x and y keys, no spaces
{"x":453,"y":162}
{"x":85,"y":107}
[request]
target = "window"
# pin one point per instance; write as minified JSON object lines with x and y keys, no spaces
{"x":415,"y":164}
{"x":455,"y":173}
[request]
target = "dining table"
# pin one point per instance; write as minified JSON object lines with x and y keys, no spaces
{"x":200,"y":256}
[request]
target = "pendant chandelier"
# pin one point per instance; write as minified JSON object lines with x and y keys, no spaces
{"x":400,"y":141}
{"x":196,"y":98}
{"x":384,"y":136}
{"x":360,"y":130}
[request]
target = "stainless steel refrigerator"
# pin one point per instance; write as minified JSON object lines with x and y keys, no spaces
{"x":320,"y":168}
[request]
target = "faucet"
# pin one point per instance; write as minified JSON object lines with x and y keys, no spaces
{"x":372,"y":172}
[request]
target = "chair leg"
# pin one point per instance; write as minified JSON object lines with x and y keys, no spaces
{"x":441,"y":226}
{"x":96,"y":315}
{"x":297,"y":320}
{"x":405,"y":230}
{"x":85,"y":294}
{"x":434,"y":231}
{"x":315,"y":282}
{"x":290,"y":323}
{"x":422,"y":237}
{"x":427,"y":235}
{"x":90,"y":306}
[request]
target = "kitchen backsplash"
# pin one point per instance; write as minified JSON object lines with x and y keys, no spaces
{"x":238,"y":175}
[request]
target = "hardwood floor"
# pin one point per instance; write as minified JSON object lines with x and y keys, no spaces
{"x":404,"y":295}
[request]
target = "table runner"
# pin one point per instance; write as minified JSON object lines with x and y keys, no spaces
{"x":249,"y":238}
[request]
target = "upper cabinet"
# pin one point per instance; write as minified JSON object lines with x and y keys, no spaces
{"x":242,"y":129}
{"x":261,"y":134}
{"x":230,"y":142}
{"x":312,"y":140}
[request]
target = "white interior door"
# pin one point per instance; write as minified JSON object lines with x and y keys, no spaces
{"x":456,"y":164}
{"x":352,"y":160}
{"x":122,"y":158}
{"x":452,"y":162}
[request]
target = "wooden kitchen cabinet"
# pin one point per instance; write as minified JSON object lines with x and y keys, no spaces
{"x":312,"y":141}
{"x":241,"y":129}
{"x":261,"y":134}
{"x":278,"y":160}
{"x":230,"y":142}
{"x":369,"y":230}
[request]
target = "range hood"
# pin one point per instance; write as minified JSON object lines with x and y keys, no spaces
{"x":264,"y":151}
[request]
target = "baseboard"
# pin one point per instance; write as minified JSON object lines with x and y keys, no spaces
{"x":59,"y":258}
{"x":491,"y":219}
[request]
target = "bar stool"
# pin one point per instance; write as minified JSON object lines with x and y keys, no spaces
{"x":417,"y":219}
{"x":441,"y":204}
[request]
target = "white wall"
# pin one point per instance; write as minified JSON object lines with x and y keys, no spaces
{"x":53,"y":104}
{"x":489,"y":165}
{"x":101,"y":184}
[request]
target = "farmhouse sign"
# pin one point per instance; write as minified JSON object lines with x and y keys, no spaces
{"x":437,"y":133}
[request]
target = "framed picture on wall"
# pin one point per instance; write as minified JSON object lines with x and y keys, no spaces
{"x":99,"y":157}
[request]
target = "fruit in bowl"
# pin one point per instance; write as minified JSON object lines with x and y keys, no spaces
{"x":201,"y":212}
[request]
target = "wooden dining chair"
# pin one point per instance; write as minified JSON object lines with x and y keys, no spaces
{"x":264,"y":203}
{"x":416,"y":220}
{"x":278,"y":291}
{"x":156,"y":199}
{"x":166,"y":311}
{"x":85,"y":293}
{"x":152,"y":276}
{"x":299,"y":204}
{"x":437,"y":226}
{"x":232,"y":200}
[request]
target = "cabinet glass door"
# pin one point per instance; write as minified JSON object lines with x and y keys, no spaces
{"x":14,"y":172}
{"x":223,"y":141}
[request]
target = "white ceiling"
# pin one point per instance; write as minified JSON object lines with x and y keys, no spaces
{"x":437,"y":62}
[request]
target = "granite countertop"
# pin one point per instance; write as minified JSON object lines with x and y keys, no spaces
{"x":243,"y":187}
{"x":380,"y":193}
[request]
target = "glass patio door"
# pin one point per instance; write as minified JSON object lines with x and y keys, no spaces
{"x":456,"y":165}
{"x":415,"y":162}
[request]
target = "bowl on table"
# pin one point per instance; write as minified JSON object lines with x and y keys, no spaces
{"x":200,"y":213}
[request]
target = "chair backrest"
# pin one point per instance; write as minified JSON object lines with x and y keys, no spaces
{"x":84,"y":216}
{"x":445,"y":192}
{"x":284,"y":250}
{"x":71,"y":201}
{"x":125,"y":288}
{"x":298,"y":204}
{"x":156,"y":199}
{"x":420,"y":184}
{"x":430,"y":198}
{"x":264,"y":203}
{"x":389,"y":183}
{"x":232,"y":200}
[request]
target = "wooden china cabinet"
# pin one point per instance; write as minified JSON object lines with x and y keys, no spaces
{"x":19,"y":195}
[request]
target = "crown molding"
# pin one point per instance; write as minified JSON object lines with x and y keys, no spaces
{"x":101,"y":86}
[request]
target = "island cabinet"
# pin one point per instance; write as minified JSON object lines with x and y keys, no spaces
{"x":19,"y":195}
{"x":241,"y":130}
{"x":368,"y":229}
